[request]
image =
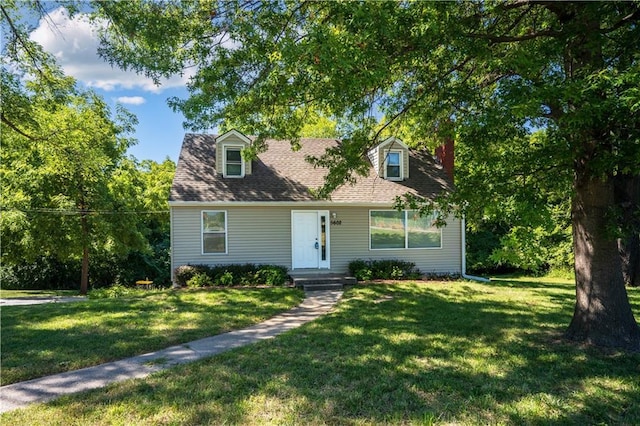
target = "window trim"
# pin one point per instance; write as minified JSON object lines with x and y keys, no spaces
{"x":400,"y":153}
{"x":406,"y":233}
{"x":224,"y":161}
{"x":226,"y":233}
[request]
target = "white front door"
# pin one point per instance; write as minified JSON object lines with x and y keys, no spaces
{"x":310,"y":239}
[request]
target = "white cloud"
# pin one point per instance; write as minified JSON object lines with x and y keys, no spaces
{"x":74,"y":43}
{"x":131,"y":100}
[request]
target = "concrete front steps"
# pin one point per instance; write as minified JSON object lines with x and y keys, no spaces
{"x":317,"y":282}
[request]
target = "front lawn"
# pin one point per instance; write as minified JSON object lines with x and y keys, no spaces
{"x":409,"y":353}
{"x":39,"y":340}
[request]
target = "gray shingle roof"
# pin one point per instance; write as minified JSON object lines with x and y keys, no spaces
{"x":279,"y":174}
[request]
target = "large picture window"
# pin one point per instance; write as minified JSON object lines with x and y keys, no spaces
{"x":214,"y":232}
{"x":392,"y":229}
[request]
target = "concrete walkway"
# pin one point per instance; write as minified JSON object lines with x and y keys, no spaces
{"x":44,"y":389}
{"x":39,"y":300}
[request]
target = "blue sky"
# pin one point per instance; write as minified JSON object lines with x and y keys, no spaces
{"x":74,"y":43}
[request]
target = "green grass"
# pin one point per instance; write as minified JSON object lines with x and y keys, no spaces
{"x":438,"y":352}
{"x":39,"y":340}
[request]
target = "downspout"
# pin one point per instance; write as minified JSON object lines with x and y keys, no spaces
{"x":463,"y":233}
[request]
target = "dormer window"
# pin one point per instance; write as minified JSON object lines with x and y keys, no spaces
{"x":229,"y":160}
{"x":233,"y":164}
{"x":390,"y":159}
{"x":393,"y":165}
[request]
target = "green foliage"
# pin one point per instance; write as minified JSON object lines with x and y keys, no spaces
{"x":48,"y":272}
{"x":361,"y":270}
{"x":495,"y":247}
{"x":113,"y":292}
{"x":524,"y":223}
{"x":184,"y":273}
{"x":318,"y":126}
{"x":273,"y":275}
{"x":44,"y":273}
{"x":392,"y":269}
{"x":199,"y":280}
{"x":67,"y":183}
{"x":225,"y":279}
{"x":233,"y":274}
{"x":490,"y":75}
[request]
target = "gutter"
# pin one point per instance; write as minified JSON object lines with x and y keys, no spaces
{"x":463,"y":237}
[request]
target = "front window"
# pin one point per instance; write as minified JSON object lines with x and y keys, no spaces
{"x":386,"y":229}
{"x":233,"y":162}
{"x":214,"y":232}
{"x":421,"y":231}
{"x":391,"y":229}
{"x":393,"y":165}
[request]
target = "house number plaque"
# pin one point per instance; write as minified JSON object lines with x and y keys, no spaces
{"x":336,"y":222}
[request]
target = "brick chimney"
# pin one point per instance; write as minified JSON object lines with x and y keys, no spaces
{"x":445,"y":156}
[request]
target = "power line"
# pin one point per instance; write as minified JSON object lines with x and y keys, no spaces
{"x":86,"y":212}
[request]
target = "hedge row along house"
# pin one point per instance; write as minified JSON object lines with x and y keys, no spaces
{"x":227,"y":210}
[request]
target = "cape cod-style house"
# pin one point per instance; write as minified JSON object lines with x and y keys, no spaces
{"x":225,"y":209}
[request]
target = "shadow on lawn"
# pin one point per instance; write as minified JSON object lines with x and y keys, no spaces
{"x":403,"y":353}
{"x":47,"y":339}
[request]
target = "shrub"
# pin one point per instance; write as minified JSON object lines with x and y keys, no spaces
{"x":226,"y":278}
{"x":271,"y":275}
{"x":200,"y":279}
{"x":185,"y":272}
{"x":105,"y":270}
{"x":392,"y":269}
{"x":361,"y":270}
{"x":44,"y":273}
{"x":113,"y":292}
{"x":233,"y":274}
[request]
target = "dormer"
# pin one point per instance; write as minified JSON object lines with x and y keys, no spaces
{"x":390,"y":159}
{"x":229,"y":160}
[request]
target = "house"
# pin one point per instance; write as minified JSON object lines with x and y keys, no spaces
{"x":226,"y":210}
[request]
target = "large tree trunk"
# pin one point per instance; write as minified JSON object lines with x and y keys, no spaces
{"x":602,"y":315}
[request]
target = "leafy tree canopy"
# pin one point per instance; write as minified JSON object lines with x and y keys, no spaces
{"x":488,"y":73}
{"x":68,"y":187}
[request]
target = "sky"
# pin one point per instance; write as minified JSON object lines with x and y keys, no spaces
{"x":74,"y":44}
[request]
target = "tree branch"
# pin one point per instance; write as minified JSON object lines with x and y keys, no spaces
{"x":515,"y":4}
{"x":410,"y":104}
{"x":6,"y":121}
{"x":18,"y":36}
{"x":632,"y":17}
{"x":514,"y":39}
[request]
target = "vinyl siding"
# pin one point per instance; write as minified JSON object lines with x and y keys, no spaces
{"x":350,"y":240}
{"x":254,"y":235}
{"x":263,"y":235}
{"x":230,"y":141}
